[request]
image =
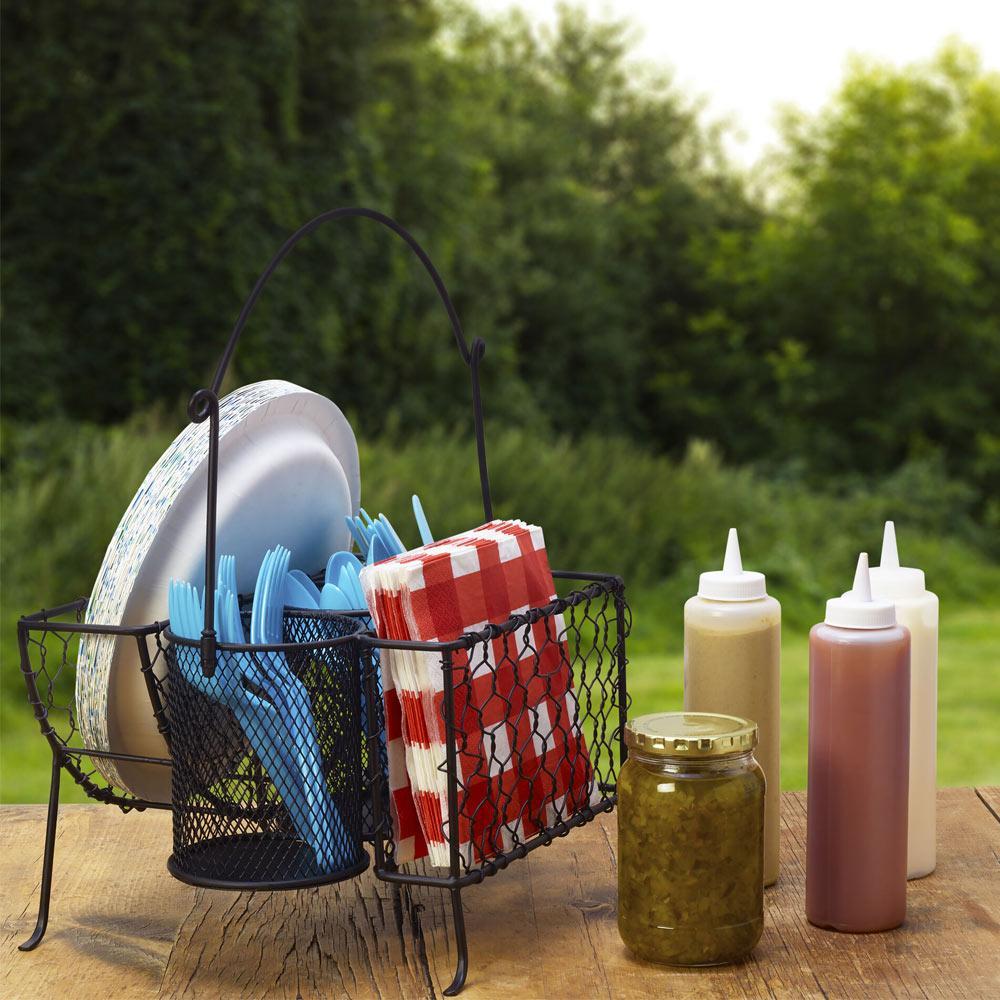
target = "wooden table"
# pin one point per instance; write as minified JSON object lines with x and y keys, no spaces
{"x":122,"y":927}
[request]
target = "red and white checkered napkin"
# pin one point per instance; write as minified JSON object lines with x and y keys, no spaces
{"x":522,"y":759}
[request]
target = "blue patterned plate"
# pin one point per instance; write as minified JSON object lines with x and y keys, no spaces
{"x":288,"y":473}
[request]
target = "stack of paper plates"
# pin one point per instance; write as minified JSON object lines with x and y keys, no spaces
{"x":288,"y":474}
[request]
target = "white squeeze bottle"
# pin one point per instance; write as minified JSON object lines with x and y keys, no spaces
{"x":917,"y":609}
{"x":732,"y":666}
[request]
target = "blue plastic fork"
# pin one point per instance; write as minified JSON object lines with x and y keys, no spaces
{"x":257,"y":717}
{"x":327,"y":825}
{"x":227,"y":578}
{"x":287,"y":750}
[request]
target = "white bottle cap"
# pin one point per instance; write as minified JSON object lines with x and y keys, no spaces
{"x":889,"y":579}
{"x":856,"y":608}
{"x":732,"y":582}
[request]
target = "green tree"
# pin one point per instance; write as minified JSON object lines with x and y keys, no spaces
{"x":154,"y":155}
{"x":604,"y":179}
{"x":579,"y":207}
{"x":876,"y":281}
{"x":168,"y":150}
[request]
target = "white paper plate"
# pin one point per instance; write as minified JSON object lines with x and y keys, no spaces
{"x":288,"y":473}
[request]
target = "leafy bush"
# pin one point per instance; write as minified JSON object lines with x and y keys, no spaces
{"x":606,"y":504}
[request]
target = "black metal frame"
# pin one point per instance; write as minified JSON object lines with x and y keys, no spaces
{"x":609,"y":590}
{"x":64,"y":754}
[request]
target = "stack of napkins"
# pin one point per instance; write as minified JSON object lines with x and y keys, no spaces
{"x":522,"y":759}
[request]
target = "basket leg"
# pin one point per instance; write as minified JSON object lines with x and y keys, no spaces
{"x":47,"y":859}
{"x":461,"y":945}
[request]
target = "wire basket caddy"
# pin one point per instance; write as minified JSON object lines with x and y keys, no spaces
{"x":233,"y":830}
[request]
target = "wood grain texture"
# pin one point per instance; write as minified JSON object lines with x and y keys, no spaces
{"x":990,"y":797}
{"x":121,"y":926}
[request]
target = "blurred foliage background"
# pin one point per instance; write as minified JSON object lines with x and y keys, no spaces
{"x":675,"y":345}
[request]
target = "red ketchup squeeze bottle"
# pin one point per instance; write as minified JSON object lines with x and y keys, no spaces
{"x":859,"y":752}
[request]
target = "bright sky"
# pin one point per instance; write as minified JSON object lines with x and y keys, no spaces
{"x":746,"y":57}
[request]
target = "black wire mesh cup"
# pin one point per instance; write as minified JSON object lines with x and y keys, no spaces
{"x":373,"y":727}
{"x":268,"y":778}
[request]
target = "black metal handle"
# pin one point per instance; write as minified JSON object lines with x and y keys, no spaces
{"x":204,"y":403}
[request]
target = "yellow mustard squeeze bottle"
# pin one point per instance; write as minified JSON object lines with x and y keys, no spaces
{"x":732,"y":665}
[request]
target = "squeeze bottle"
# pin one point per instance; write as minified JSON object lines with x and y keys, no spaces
{"x":859,"y":755}
{"x":917,"y":609}
{"x":732,"y":666}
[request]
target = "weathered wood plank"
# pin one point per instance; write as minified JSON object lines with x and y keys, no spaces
{"x":114,"y":916}
{"x":990,"y":797}
{"x":544,"y":928}
{"x":359,"y":939}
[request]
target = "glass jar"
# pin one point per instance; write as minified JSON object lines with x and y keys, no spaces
{"x":690,"y":839}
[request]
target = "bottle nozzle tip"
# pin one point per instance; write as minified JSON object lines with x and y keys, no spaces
{"x":733,"y":563}
{"x":890,"y":553}
{"x":862,"y":579}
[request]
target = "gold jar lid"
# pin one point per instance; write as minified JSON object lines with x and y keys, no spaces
{"x":690,"y":734}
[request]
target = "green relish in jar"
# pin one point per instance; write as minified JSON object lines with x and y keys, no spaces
{"x":690,"y":839}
